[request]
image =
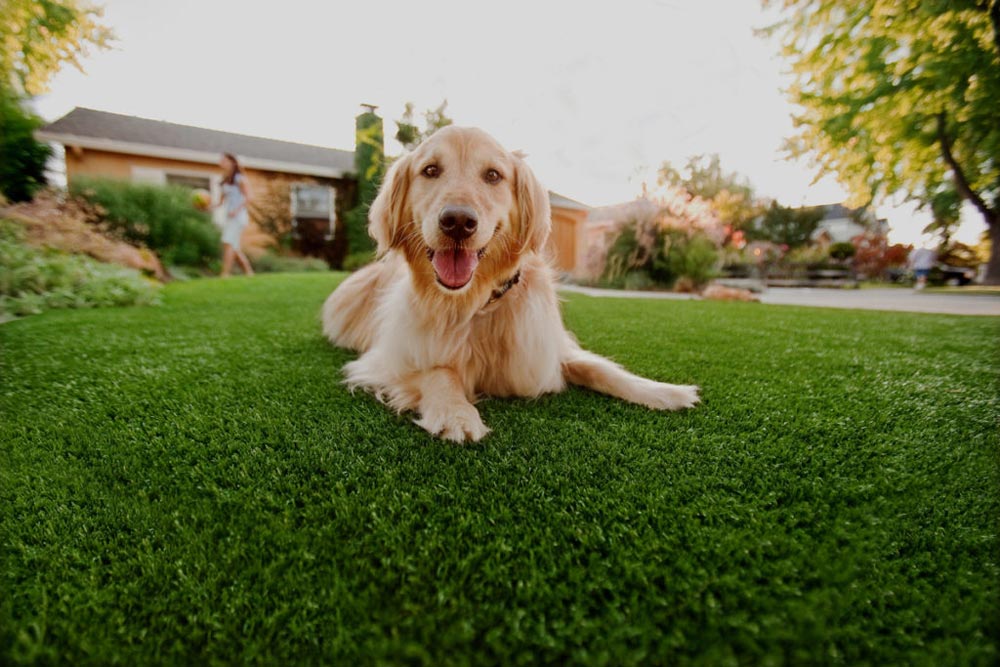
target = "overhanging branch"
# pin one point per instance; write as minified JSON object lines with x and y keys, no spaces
{"x":961,"y":182}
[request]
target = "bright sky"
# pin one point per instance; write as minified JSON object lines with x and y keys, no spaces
{"x":598,"y":94}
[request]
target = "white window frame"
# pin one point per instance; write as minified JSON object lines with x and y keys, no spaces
{"x":331,"y":214}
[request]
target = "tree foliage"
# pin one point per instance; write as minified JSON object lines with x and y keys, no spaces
{"x":782,"y":225}
{"x":407,"y":132}
{"x":22,"y":158}
{"x":37,"y":37}
{"x":899,"y":97}
{"x":730,"y":194}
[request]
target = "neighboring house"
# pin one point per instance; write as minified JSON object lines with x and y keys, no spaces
{"x":103,"y":144}
{"x":841,"y":224}
{"x":568,"y":241}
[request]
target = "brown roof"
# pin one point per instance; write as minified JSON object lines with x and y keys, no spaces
{"x":101,"y":125}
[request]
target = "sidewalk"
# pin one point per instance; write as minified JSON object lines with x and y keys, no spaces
{"x":865,"y":299}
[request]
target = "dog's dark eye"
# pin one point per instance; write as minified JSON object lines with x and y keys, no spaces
{"x":492,"y":176}
{"x":431,"y":171}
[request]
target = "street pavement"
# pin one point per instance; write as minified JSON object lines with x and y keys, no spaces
{"x":899,"y":299}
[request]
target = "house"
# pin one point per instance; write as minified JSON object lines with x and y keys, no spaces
{"x":110,"y":145}
{"x":840,"y":224}
{"x":568,"y":240}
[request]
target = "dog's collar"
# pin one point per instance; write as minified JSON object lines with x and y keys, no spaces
{"x":503,"y":289}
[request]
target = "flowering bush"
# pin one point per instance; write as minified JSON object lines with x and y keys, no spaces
{"x":660,"y":239}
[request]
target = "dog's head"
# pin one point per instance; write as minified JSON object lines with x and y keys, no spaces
{"x":462,"y":207}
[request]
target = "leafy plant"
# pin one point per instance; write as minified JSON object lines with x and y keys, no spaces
{"x":693,"y":257}
{"x":161,"y":218}
{"x":649,"y":255}
{"x":34,"y":280}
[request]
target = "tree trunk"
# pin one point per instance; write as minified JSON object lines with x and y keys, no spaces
{"x":990,"y":215}
{"x":993,"y":266}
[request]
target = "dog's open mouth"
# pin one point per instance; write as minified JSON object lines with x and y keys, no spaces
{"x":455,"y":266}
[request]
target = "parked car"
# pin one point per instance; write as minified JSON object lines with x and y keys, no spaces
{"x":943,"y":274}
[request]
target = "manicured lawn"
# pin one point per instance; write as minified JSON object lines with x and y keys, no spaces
{"x":190,"y":484}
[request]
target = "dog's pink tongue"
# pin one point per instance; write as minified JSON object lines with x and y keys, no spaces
{"x":454,"y":266}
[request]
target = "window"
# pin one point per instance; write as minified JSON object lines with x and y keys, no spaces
{"x":313,"y":201}
{"x":190,"y":181}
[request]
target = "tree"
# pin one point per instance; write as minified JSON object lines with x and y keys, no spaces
{"x":407,"y":132}
{"x":22,"y":158}
{"x":37,"y":37}
{"x":792,"y":227}
{"x":899,"y":96}
{"x":730,"y":194}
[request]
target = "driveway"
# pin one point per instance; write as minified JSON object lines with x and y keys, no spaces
{"x":864,"y":299}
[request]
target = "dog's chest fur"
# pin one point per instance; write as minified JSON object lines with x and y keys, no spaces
{"x":505,"y":348}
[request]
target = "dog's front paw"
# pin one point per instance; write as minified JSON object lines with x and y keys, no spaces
{"x":663,"y":396}
{"x":457,"y":424}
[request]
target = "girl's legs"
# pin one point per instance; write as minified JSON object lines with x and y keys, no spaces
{"x":227,"y":259}
{"x":244,"y":262}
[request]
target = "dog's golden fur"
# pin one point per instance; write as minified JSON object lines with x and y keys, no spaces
{"x":434,"y":349}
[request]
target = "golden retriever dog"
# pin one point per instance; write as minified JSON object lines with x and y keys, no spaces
{"x":462,"y":302}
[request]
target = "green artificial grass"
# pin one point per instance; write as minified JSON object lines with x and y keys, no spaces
{"x":190,"y":484}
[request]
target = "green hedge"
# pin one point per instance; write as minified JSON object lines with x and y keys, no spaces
{"x":34,"y":280}
{"x":161,"y":218}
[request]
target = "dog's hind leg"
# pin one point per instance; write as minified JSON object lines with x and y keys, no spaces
{"x":603,"y":375}
{"x":349,"y":313}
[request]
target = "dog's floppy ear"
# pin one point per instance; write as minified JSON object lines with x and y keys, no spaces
{"x":533,"y":218}
{"x":390,"y":211}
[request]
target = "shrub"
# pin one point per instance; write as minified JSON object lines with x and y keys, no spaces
{"x":271,"y":262}
{"x":624,"y":256}
{"x":33,"y":280}
{"x":807,"y":254}
{"x":356,"y":260}
{"x":842,"y":251}
{"x":638,"y":280}
{"x":690,"y":257}
{"x":661,"y":255}
{"x":22,"y":158}
{"x":161,"y":218}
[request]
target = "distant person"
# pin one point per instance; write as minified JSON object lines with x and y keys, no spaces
{"x":235,"y":196}
{"x":921,"y":261}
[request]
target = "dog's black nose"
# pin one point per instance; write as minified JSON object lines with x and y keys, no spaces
{"x":458,"y":222}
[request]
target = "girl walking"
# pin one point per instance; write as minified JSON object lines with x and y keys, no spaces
{"x":235,"y":196}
